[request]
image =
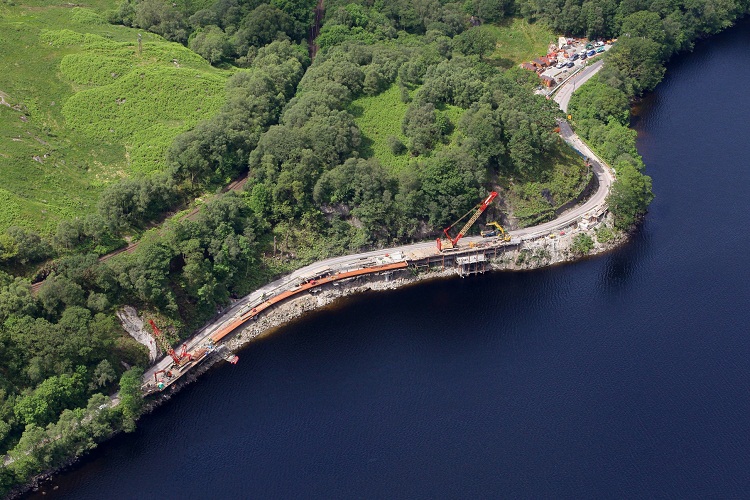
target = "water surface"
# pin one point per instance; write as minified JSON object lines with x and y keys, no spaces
{"x":621,"y":375}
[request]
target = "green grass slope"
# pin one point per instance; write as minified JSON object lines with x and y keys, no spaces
{"x":380,"y":116}
{"x":83,"y":107}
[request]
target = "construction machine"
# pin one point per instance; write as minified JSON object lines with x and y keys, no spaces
{"x":498,"y":231}
{"x":160,"y":384}
{"x":450,"y":242}
{"x":179,"y":360}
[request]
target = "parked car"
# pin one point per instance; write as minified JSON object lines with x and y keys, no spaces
{"x":600,"y":50}
{"x":561,"y":65}
{"x":589,"y":46}
{"x":571,"y":64}
{"x":590,"y":53}
{"x":583,"y":57}
{"x":574,"y":57}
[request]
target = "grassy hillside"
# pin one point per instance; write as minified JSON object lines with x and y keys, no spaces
{"x":84,"y":108}
{"x":379,"y":117}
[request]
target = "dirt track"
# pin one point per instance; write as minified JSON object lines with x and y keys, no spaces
{"x":315,"y":29}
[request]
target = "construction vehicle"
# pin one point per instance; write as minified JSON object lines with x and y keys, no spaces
{"x":449,"y":242}
{"x":498,"y":231}
{"x":160,"y":382}
{"x":179,"y":360}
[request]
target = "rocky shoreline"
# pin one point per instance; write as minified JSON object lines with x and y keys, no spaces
{"x":530,"y":255}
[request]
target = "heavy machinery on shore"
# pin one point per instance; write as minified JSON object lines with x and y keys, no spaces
{"x":160,"y":383}
{"x":179,"y":359}
{"x":498,"y":231}
{"x":451,"y":242}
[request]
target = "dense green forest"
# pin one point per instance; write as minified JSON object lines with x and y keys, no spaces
{"x":315,"y":186}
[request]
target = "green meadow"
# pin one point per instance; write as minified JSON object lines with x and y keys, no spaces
{"x":519,"y":41}
{"x":379,"y":117}
{"x":83,"y":107}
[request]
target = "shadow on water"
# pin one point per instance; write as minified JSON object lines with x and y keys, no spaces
{"x":620,"y":265}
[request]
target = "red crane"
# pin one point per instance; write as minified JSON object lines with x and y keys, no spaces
{"x":180,"y":360}
{"x":453,"y":242}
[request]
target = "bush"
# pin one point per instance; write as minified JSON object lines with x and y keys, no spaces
{"x":421,"y":126}
{"x":86,"y":16}
{"x":630,"y":196}
{"x":131,"y":398}
{"x":582,"y":244}
{"x":604,"y":234}
{"x":396,"y":146}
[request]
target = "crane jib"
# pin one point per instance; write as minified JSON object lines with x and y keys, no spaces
{"x":481,"y":208}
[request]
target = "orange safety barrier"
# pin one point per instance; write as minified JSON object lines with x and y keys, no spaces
{"x":254,"y":312}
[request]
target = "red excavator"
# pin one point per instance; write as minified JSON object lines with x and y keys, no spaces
{"x":450,"y":242}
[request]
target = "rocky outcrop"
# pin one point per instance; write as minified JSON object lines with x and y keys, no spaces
{"x":556,"y":248}
{"x":134,"y":325}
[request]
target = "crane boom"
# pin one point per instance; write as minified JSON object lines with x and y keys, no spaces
{"x":165,"y":345}
{"x":453,"y":242}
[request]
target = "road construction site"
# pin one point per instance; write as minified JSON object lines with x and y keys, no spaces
{"x":543,"y":244}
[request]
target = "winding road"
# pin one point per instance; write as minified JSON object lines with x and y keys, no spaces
{"x":595,"y":203}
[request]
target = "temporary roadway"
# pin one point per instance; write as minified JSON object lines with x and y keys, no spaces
{"x":378,"y":261}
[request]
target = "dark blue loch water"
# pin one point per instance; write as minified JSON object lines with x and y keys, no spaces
{"x":625,"y":375}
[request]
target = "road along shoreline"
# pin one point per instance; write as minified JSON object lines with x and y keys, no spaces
{"x":554,"y":249}
{"x":210,"y":341}
{"x":535,"y":254}
{"x":322,"y":283}
{"x":543,"y":245}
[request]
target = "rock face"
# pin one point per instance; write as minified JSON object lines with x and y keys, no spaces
{"x":555,"y":248}
{"x":134,"y":325}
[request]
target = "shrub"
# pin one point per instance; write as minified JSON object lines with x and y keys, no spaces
{"x":582,"y":244}
{"x":86,"y":16}
{"x":604,"y":234}
{"x":396,"y":146}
